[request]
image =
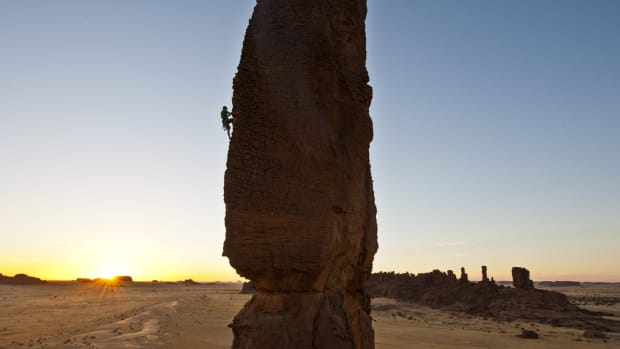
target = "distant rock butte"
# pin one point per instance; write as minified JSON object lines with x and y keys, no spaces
{"x":122,"y":279}
{"x":521,"y":278}
{"x":559,"y":283}
{"x":486,"y":298}
{"x":300,"y":213}
{"x":20,"y":279}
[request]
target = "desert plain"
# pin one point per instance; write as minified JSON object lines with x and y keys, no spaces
{"x":176,"y":315}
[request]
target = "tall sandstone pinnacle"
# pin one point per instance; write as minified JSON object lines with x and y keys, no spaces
{"x":300,"y":212}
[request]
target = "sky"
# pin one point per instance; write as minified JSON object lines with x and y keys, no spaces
{"x":496,"y":140}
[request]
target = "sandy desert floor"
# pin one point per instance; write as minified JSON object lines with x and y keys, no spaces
{"x":176,"y":316}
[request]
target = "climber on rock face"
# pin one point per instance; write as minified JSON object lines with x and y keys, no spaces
{"x":226,"y":120}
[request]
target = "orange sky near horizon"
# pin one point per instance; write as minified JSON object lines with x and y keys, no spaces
{"x":50,"y":270}
{"x":57,"y":271}
{"x":494,"y":143}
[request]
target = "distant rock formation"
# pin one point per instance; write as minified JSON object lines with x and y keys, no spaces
{"x":247,"y":288}
{"x":485,"y":298}
{"x":300,"y":213}
{"x":521,"y":278}
{"x":559,"y":283}
{"x":485,"y":278}
{"x":123,"y":279}
{"x":83,"y":280}
{"x":190,"y":282}
{"x":20,"y":279}
{"x":463,"y":279}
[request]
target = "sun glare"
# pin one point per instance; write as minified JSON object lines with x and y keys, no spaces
{"x":111,"y":271}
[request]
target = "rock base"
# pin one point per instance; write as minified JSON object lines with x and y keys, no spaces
{"x":327,"y":320}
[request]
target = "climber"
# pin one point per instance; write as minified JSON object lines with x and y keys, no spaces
{"x":226,"y":120}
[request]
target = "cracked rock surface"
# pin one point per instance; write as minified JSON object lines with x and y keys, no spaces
{"x":300,"y":212}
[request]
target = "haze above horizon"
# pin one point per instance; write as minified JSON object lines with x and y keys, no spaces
{"x":496,"y":136}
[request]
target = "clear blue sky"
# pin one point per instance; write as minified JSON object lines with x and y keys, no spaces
{"x":497,"y":136}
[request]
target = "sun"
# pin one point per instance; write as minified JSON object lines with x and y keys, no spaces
{"x":110,"y":271}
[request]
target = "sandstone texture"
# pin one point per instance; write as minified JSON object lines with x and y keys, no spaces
{"x":300,"y":213}
{"x":487,"y":299}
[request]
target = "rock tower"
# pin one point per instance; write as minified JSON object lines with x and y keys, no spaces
{"x":485,"y":278}
{"x":300,"y":212}
{"x":521,"y":278}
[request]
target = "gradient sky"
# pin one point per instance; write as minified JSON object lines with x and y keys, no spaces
{"x":497,"y":136}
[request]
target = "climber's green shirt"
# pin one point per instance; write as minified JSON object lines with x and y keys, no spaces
{"x":224,"y":114}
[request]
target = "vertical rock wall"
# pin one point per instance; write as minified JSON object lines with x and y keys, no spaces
{"x":521,"y":278}
{"x":300,"y":213}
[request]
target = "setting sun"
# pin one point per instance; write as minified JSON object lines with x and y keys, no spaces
{"x":110,"y":271}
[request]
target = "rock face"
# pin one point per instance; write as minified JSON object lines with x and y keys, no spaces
{"x":247,"y":288}
{"x":300,"y":213}
{"x":521,"y":278}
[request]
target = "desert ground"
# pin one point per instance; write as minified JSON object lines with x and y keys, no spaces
{"x":177,"y":316}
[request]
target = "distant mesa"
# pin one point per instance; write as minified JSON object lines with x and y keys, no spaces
{"x":123,"y":278}
{"x":119,"y":280}
{"x":20,"y":279}
{"x":559,"y":283}
{"x":488,"y":299}
{"x":190,"y":282}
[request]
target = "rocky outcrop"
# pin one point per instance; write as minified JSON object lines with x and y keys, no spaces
{"x":521,"y":278}
{"x":123,"y":278}
{"x":463,"y":279}
{"x":20,"y":279}
{"x":529,"y":334}
{"x":485,"y":278}
{"x":485,"y":298}
{"x":300,"y":213}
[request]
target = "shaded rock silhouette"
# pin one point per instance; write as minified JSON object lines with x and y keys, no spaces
{"x":463,"y":279}
{"x":521,"y":278}
{"x":20,"y":279}
{"x":485,"y":278}
{"x":559,"y":283}
{"x":123,"y":279}
{"x":300,"y":213}
{"x":485,"y":298}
